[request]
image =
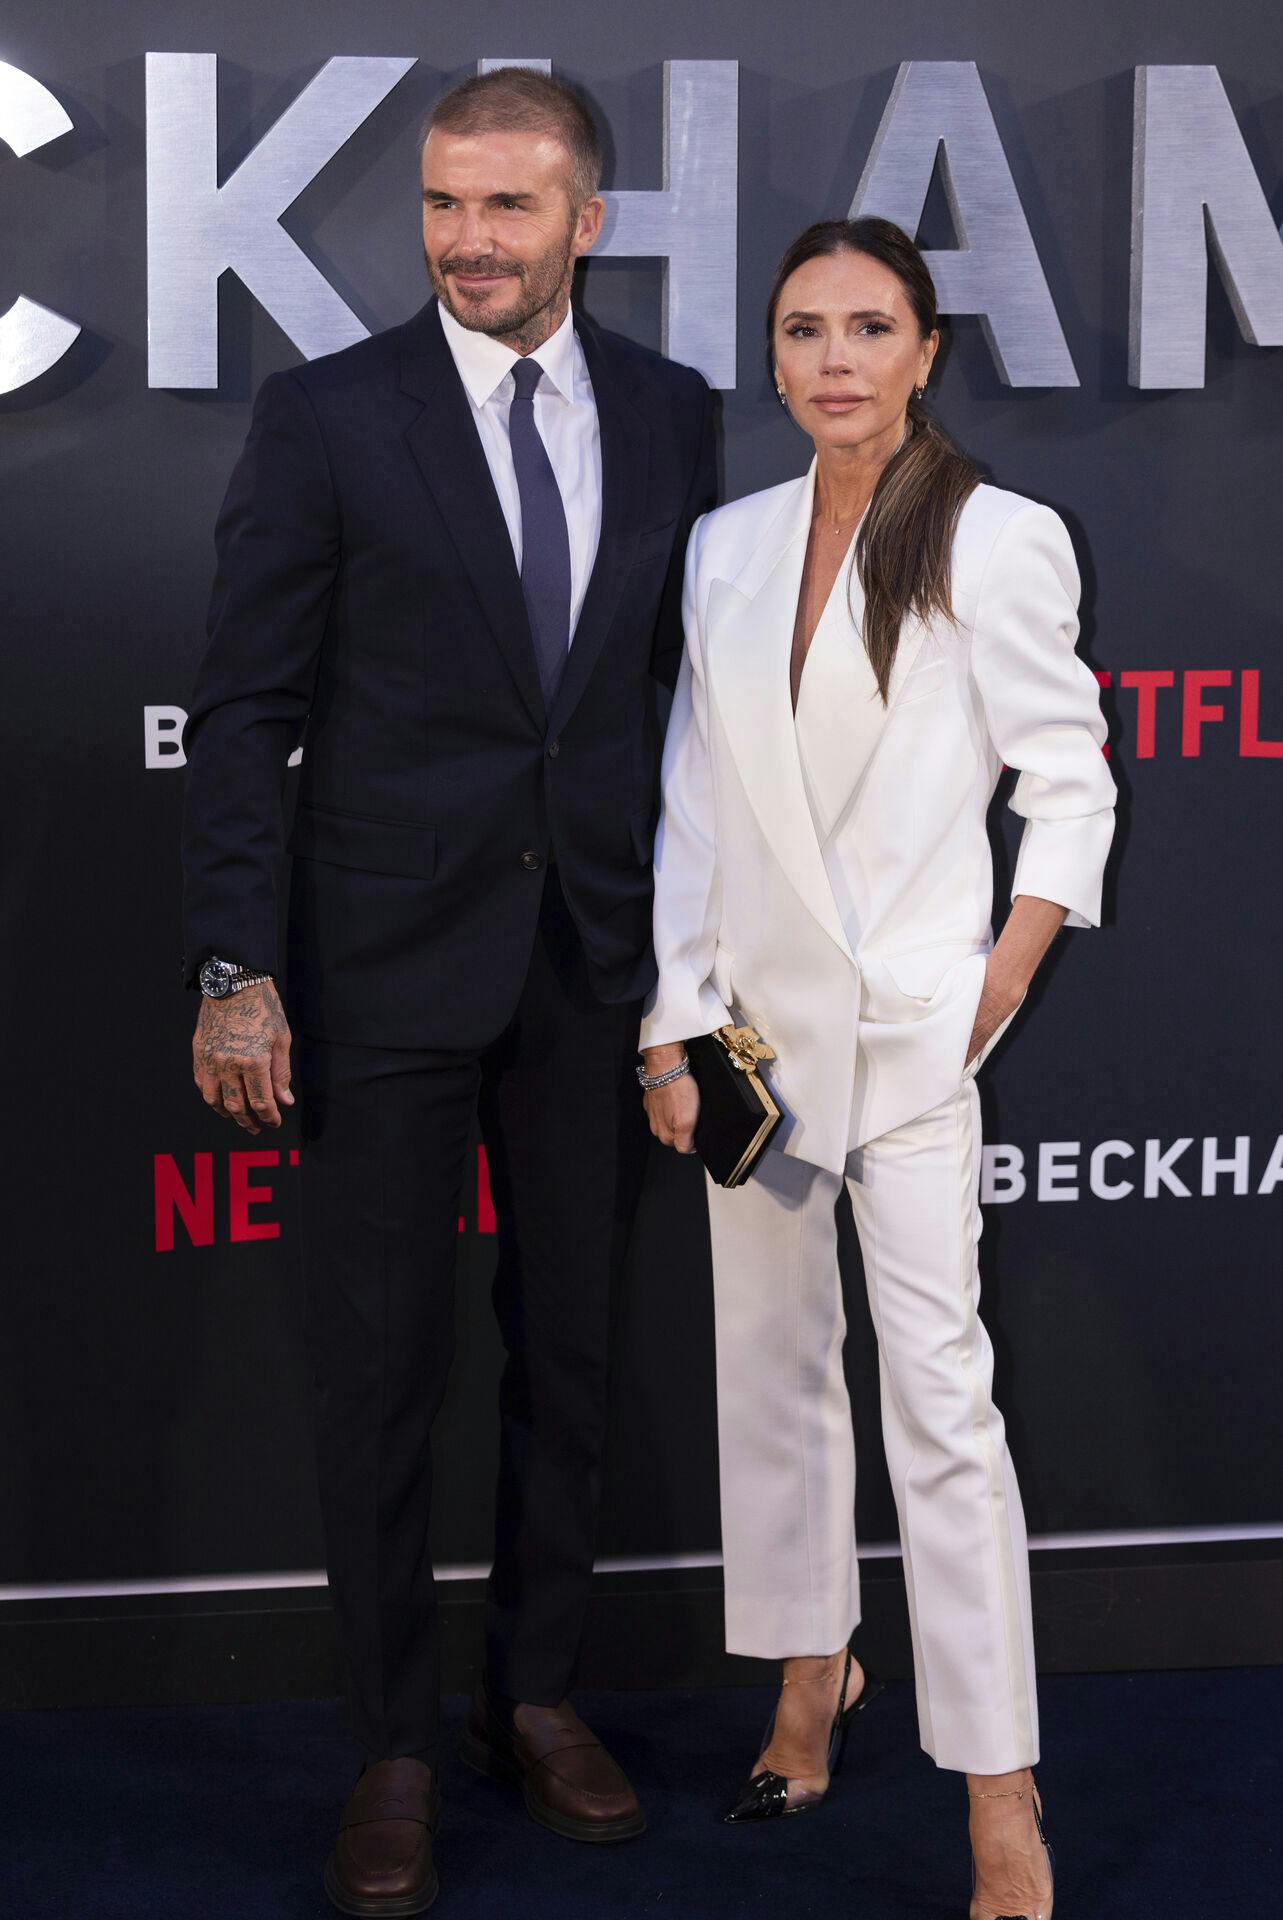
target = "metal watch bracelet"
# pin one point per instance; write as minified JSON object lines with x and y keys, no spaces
{"x":221,"y":978}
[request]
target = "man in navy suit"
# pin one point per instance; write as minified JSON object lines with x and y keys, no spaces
{"x":455,"y":551}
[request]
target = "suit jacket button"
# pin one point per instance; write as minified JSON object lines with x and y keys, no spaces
{"x":554,"y":748}
{"x":531,"y":861}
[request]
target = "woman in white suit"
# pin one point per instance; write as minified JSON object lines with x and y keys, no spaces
{"x":866,"y":647}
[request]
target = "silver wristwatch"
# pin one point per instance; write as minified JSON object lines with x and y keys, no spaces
{"x":218,"y":978}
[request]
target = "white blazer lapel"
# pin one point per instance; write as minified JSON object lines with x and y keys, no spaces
{"x":839,"y":710}
{"x":749,"y":637}
{"x":841,"y":719}
{"x":912,"y":634}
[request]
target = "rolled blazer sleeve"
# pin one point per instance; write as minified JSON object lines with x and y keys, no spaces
{"x":278,"y":546}
{"x":1042,"y":708}
{"x":688,"y":885}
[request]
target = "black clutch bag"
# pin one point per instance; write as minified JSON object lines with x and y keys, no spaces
{"x":737,"y":1115}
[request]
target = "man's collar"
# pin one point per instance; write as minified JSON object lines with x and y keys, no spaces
{"x":483,"y":362}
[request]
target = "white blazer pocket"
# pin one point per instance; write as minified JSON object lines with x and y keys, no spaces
{"x":922,"y":682}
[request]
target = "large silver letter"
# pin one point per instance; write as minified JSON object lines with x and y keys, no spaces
{"x":691,"y":222}
{"x":32,"y":338}
{"x":939,"y":107}
{"x":1188,"y":158}
{"x":196,"y":229}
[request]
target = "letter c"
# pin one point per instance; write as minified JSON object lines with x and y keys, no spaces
{"x":32,"y":338}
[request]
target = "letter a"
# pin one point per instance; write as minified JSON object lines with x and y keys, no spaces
{"x":939,"y":107}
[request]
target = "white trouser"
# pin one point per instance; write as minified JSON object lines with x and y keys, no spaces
{"x":787,"y":1451}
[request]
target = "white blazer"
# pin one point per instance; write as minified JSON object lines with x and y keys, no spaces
{"x":854,"y":939}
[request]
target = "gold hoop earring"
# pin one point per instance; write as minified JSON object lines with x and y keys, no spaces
{"x":918,"y":392}
{"x":783,"y":397}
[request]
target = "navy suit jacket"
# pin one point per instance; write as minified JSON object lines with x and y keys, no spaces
{"x":366,"y":590}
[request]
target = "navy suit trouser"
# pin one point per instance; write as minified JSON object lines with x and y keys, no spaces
{"x":387,"y":1135}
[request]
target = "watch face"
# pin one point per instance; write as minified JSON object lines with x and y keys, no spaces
{"x":216,"y":978}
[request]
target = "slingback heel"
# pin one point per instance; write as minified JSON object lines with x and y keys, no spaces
{"x":766,"y":1795}
{"x":1018,"y":1793}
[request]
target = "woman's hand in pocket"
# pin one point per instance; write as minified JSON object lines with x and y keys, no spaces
{"x":999,"y":998}
{"x":1031,"y":927}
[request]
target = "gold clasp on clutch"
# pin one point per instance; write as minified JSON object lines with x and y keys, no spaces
{"x":745,"y":1046}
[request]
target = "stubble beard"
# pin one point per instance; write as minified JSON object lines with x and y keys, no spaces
{"x":543,"y":290}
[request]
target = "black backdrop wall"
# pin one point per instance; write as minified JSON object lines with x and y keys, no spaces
{"x":153,"y":1430}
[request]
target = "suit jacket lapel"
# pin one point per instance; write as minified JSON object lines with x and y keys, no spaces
{"x":749,"y":632}
{"x":840,"y":712}
{"x":448,"y":452}
{"x":625,"y":454}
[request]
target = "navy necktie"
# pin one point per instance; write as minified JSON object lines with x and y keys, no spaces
{"x":545,"y":539}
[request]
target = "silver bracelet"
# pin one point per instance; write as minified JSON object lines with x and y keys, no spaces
{"x":649,"y":1081}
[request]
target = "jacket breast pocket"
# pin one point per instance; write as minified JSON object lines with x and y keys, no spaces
{"x":655,"y":545}
{"x":364,"y":841}
{"x":923,"y":682}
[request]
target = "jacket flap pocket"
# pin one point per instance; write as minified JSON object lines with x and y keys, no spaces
{"x":357,"y":840}
{"x":919,"y":972}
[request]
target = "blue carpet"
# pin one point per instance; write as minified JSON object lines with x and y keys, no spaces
{"x":1164,"y":1796}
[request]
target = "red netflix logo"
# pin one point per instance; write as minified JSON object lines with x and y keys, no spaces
{"x":195,"y":1209}
{"x":1193,"y":710}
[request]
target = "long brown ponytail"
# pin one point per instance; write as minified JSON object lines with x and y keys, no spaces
{"x":905,"y":547}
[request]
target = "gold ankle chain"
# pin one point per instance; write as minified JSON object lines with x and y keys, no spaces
{"x":1009,"y":1793}
{"x":810,"y":1679}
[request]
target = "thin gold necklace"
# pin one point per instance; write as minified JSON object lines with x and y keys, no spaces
{"x":837,"y":526}
{"x":842,"y":526}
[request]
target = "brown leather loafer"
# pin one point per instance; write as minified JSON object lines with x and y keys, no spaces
{"x":382,"y":1859}
{"x":568,"y":1780}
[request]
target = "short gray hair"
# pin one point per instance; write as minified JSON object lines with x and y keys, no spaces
{"x":522,"y":100}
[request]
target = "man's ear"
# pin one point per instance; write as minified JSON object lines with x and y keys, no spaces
{"x":588,"y":225}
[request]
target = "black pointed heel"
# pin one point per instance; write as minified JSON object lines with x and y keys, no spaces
{"x":766,"y":1795}
{"x":1046,"y":1846}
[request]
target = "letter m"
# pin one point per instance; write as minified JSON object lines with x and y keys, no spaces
{"x":1195,"y":192}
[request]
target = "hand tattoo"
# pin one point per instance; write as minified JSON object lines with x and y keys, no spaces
{"x":241,"y":1029}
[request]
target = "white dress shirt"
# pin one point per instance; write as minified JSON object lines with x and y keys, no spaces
{"x":566,"y":417}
